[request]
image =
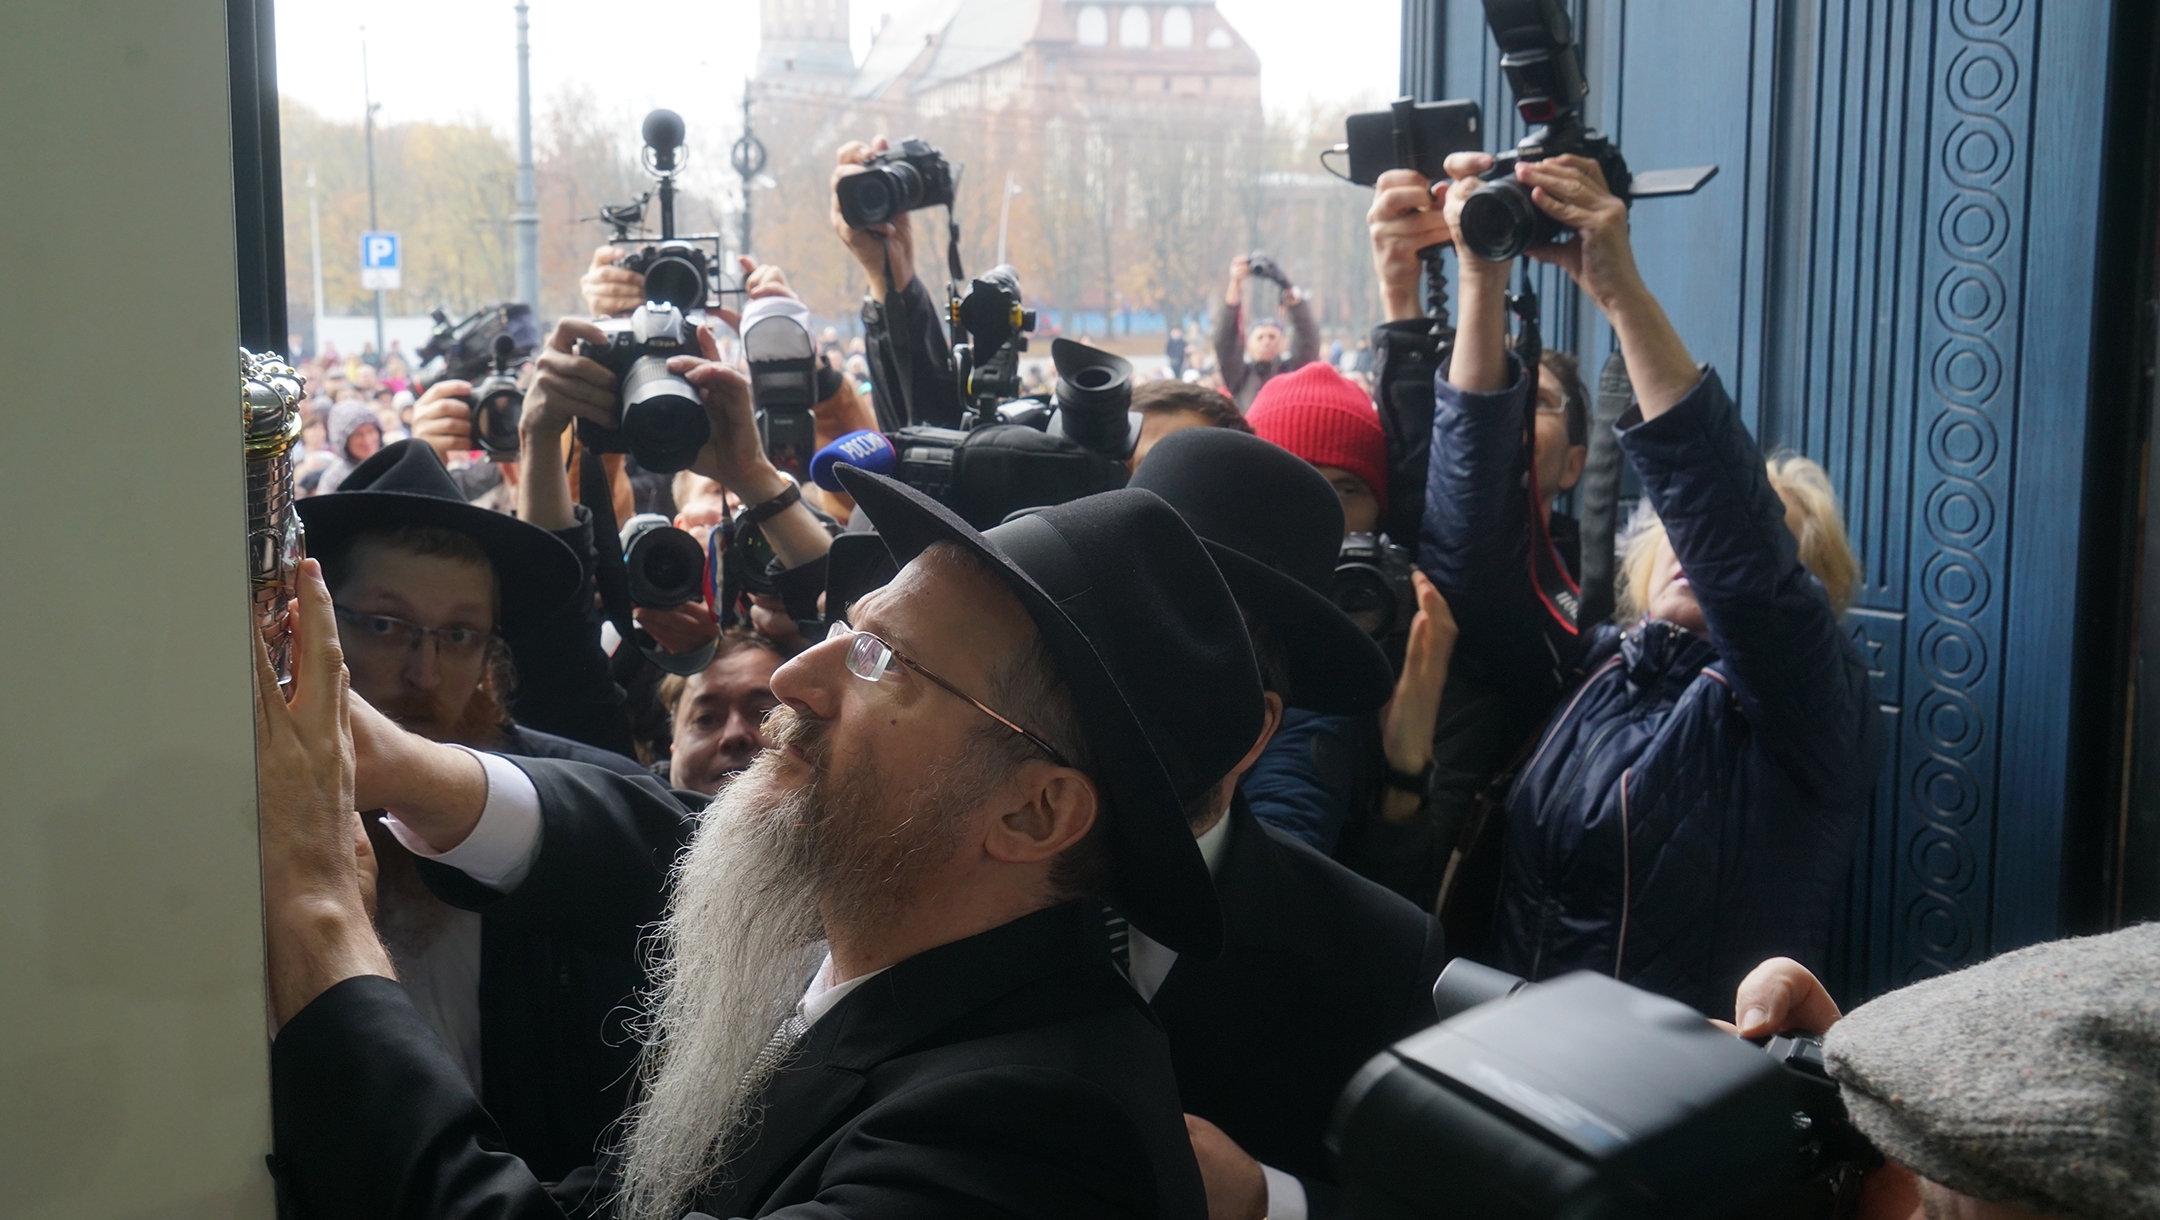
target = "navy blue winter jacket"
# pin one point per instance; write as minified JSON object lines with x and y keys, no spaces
{"x":1692,"y":807}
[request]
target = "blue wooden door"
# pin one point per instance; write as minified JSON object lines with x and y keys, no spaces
{"x":1894,"y":271}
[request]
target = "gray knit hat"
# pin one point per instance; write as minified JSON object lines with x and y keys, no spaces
{"x":2032,"y":1079}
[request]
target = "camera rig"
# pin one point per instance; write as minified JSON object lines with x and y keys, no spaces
{"x":683,"y":269}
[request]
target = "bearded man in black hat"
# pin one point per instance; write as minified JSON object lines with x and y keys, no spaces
{"x":1321,"y":969}
{"x":431,"y":595}
{"x":1019,"y":721}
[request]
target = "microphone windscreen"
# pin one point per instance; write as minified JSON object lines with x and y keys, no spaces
{"x":865,"y":449}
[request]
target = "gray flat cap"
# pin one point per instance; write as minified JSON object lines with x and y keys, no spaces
{"x":2032,"y":1079}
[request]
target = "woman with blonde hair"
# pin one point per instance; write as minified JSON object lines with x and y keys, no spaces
{"x":1692,"y":803}
{"x":1811,"y":514}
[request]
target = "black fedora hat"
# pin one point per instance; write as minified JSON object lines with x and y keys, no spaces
{"x":1274,"y":525}
{"x":1148,"y":640}
{"x":405,"y":484}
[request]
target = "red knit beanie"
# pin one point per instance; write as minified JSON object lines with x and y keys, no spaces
{"x":1324,"y":417}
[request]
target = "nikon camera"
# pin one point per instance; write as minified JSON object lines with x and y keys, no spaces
{"x":663,"y":423}
{"x":895,"y":182}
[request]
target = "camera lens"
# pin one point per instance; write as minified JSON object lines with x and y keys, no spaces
{"x":1362,"y":593}
{"x":1500,"y":221}
{"x":678,"y":280}
{"x":663,"y":420}
{"x":666,"y":567}
{"x":497,"y":409}
{"x":866,"y":200}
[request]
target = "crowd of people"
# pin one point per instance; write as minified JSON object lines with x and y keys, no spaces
{"x":1073,"y":865}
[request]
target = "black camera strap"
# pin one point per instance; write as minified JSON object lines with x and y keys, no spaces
{"x":1556,"y":589}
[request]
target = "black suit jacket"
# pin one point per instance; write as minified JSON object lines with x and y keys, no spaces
{"x":1320,"y":971}
{"x":559,"y":966}
{"x":1013,"y":1073}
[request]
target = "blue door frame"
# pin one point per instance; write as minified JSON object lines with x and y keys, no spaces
{"x":1872,"y":275}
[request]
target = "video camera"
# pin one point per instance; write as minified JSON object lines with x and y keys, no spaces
{"x":1544,"y":68}
{"x":1015,"y":454}
{"x":1593,"y":1100}
{"x":485,"y":347}
{"x":900,"y":180}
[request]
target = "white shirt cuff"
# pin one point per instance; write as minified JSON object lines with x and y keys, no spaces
{"x":504,"y":843}
{"x":1285,"y":1195}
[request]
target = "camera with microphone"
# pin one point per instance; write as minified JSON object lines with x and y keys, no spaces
{"x":1013,"y":454}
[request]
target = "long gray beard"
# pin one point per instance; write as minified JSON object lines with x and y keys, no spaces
{"x":744,"y":929}
{"x":740,"y":938}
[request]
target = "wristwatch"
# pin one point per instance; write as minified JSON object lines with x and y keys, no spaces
{"x":1418,"y":782}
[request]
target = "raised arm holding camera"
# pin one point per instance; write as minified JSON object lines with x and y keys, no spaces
{"x":1246,"y":356}
{"x":1692,"y":808}
{"x":909,"y":354}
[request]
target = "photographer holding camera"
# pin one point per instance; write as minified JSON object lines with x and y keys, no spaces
{"x":1692,"y":808}
{"x":909,"y":354}
{"x":1245,"y":362}
{"x":2017,"y":1089}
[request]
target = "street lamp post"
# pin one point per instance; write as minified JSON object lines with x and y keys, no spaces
{"x":528,"y":211}
{"x":368,"y":102}
{"x":1012,"y":188}
{"x":748,"y":158}
{"x":314,"y":227}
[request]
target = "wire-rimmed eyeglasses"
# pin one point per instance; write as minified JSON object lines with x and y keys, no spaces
{"x":871,"y":658}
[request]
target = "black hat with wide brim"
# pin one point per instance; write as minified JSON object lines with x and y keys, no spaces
{"x":1148,"y":640}
{"x":406,"y":484}
{"x":1275,"y":527}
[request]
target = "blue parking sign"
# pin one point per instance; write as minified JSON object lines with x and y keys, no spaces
{"x":379,"y":261}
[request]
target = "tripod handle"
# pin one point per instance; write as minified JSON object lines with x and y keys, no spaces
{"x":1435,"y":284}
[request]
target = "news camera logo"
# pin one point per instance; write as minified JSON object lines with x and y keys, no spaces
{"x":379,"y":265}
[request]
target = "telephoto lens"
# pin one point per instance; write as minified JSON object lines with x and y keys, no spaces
{"x":1500,"y":221}
{"x":666,"y":565}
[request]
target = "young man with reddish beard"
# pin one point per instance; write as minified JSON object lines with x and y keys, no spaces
{"x":431,"y":595}
{"x":1019,"y":721}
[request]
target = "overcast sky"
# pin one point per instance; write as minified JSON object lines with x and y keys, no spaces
{"x":452,"y":59}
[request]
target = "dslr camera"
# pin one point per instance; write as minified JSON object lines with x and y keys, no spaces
{"x":1372,"y":585}
{"x":1544,"y":69}
{"x":485,"y":348}
{"x":666,"y":565}
{"x":1589,"y":1099}
{"x":663,"y":423}
{"x":897,"y":181}
{"x":1266,"y":268}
